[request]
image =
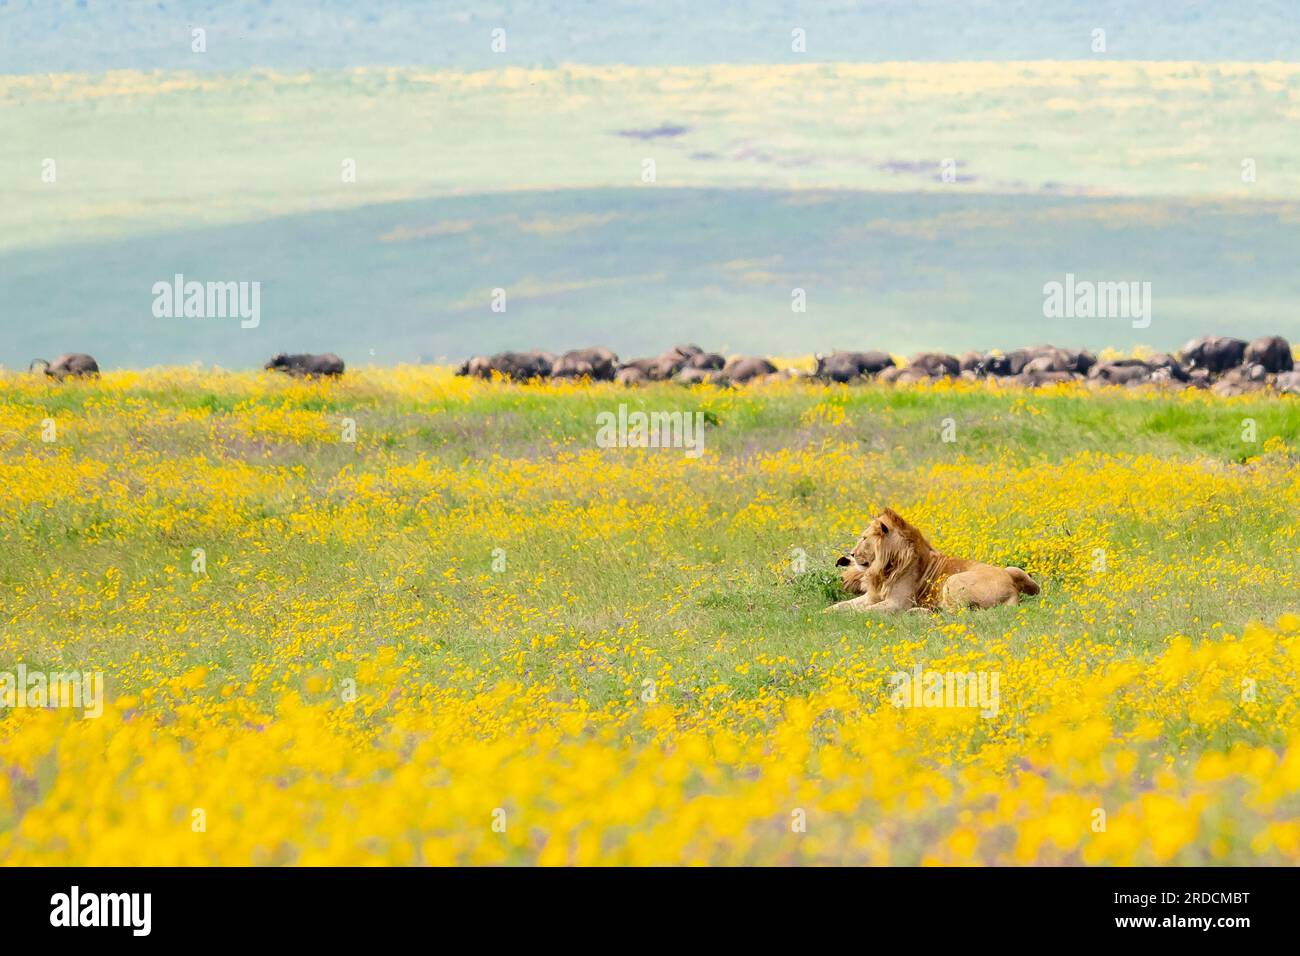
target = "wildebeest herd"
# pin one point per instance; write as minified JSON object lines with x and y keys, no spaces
{"x":681,"y":363}
{"x":1226,"y":366}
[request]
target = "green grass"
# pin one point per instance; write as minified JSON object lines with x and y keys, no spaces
{"x":608,"y":568}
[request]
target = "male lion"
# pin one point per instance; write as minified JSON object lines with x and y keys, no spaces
{"x":894,"y":568}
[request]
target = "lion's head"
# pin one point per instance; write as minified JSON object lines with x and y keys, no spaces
{"x":885,"y":550}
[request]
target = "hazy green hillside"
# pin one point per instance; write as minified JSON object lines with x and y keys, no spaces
{"x":826,"y":178}
{"x":638,"y":269}
{"x":139,"y":152}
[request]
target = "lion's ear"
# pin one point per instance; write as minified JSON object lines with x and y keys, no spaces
{"x":843,"y":562}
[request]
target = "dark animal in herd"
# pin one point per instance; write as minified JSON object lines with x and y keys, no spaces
{"x":302,"y":366}
{"x":517,"y":366}
{"x":68,"y":365}
{"x":851,"y":366}
{"x":1272,"y":352}
{"x":1214,"y":353}
{"x":597,"y":364}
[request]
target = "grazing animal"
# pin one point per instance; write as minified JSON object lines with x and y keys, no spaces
{"x":303,"y":365}
{"x":739,"y":370}
{"x":1011,"y":363}
{"x":706,"y":361}
{"x":1240,"y":381}
{"x":516,"y":366}
{"x":68,"y":365}
{"x":675,"y":359}
{"x":1121,"y":372}
{"x":851,"y":366}
{"x":934,"y":365}
{"x":597,"y":364}
{"x":1049,"y":358}
{"x":645,"y":369}
{"x":1271,"y":351}
{"x":682,"y":351}
{"x":630,"y":375}
{"x":478,"y":366}
{"x":1083,"y":360}
{"x":1164,"y":367}
{"x":893,"y":568}
{"x":1216,"y":353}
{"x":694,"y":376}
{"x":1045,"y":364}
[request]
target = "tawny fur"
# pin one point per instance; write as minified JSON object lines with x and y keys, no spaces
{"x":893,"y":568}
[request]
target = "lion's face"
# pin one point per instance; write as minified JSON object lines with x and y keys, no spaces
{"x":876,"y":546}
{"x":863,"y":553}
{"x":883,"y":551}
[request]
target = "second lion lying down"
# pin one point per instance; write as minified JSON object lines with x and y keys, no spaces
{"x":893,"y":568}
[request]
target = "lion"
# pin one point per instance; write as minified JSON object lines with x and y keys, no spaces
{"x":893,"y":568}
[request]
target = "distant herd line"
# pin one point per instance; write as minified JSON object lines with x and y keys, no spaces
{"x":1224,"y":365}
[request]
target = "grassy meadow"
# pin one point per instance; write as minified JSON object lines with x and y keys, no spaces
{"x":471,"y":635}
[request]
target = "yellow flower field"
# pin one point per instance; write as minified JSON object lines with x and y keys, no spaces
{"x":412,"y":619}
